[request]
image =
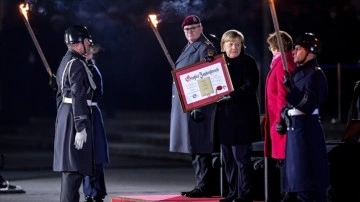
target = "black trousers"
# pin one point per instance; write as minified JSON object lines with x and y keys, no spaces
{"x":70,"y":185}
{"x":94,"y":186}
{"x":207,"y":175}
{"x":274,"y":177}
{"x":237,"y":165}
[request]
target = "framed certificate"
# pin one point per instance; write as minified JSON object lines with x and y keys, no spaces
{"x":202,"y":83}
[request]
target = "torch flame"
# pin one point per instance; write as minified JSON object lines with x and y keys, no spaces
{"x":153,"y":19}
{"x":23,"y":9}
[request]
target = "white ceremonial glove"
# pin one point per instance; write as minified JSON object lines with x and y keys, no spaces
{"x":80,"y":139}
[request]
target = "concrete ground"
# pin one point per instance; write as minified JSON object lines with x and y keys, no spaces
{"x":141,"y":163}
{"x":124,"y":176}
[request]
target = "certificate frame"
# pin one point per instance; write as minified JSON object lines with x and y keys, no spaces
{"x":202,"y":83}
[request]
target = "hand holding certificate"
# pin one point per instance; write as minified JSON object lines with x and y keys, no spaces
{"x":202,"y":83}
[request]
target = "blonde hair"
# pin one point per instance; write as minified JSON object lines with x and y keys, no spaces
{"x":286,"y":40}
{"x":231,"y":34}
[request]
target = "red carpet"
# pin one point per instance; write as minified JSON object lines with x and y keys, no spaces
{"x":153,"y":198}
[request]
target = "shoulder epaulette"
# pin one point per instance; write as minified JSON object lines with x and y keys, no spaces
{"x":208,"y":42}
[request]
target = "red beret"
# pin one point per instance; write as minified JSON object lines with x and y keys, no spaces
{"x":191,"y":20}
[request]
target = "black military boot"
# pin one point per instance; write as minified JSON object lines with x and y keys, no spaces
{"x":289,"y":197}
{"x":88,"y":199}
{"x":98,"y":199}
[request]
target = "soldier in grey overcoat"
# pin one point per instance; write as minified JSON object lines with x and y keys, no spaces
{"x":73,"y":144}
{"x":192,"y":132}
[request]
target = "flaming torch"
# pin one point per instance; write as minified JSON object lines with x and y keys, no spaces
{"x":277,"y":32}
{"x":153,"y":23}
{"x":24,"y":9}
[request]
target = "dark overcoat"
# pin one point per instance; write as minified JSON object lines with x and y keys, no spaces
{"x":73,"y":82}
{"x":239,"y":118}
{"x":100,"y":141}
{"x":306,"y":162}
{"x":186,"y":135}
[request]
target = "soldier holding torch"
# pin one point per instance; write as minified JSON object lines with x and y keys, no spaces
{"x":306,"y":171}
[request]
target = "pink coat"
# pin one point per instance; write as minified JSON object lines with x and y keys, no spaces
{"x":274,"y":101}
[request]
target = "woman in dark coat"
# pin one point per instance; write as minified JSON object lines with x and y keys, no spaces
{"x":237,"y":117}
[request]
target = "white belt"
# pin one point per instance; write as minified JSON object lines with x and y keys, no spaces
{"x":69,"y":101}
{"x":295,"y":112}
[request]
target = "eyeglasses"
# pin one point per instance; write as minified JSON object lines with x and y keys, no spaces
{"x":191,"y":28}
{"x":270,"y":48}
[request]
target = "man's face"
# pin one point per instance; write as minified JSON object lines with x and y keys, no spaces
{"x":83,"y":48}
{"x":87,"y":44}
{"x":193,"y":32}
{"x":300,"y":54}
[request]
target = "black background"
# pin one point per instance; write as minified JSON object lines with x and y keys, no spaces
{"x":136,"y":73}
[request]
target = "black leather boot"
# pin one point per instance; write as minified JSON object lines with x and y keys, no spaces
{"x":289,"y":197}
{"x":88,"y":199}
{"x":98,"y":199}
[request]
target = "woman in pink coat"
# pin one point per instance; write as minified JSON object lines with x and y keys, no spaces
{"x":275,"y":92}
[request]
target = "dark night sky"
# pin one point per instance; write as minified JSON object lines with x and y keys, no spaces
{"x":135,"y":70}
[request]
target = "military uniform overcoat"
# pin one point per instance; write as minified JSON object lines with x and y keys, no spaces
{"x":73,"y":84}
{"x":100,"y":140}
{"x":306,"y":161}
{"x":186,"y":135}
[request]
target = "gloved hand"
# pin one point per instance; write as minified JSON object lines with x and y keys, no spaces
{"x":288,"y":82}
{"x":281,"y":127}
{"x":209,"y":58}
{"x":197,"y":115}
{"x":285,"y":121}
{"x":80,"y":139}
{"x":52,"y":82}
{"x":225,"y":98}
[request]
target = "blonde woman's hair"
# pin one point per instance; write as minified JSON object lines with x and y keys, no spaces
{"x":231,"y":34}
